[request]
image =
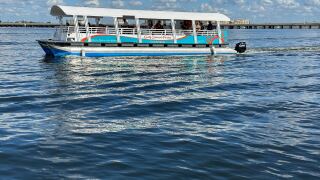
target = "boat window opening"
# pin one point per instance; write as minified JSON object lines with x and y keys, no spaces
{"x":127,"y":23}
{"x":106,"y":22}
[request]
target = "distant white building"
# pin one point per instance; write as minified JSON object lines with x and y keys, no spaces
{"x":237,"y":22}
{"x":241,"y":21}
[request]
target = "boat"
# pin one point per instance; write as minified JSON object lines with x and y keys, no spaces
{"x":96,"y":32}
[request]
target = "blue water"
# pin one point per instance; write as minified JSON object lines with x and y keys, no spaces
{"x":251,"y":116}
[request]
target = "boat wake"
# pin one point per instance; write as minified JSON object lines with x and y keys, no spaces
{"x":284,"y":49}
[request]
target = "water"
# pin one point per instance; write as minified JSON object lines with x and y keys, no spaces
{"x":249,"y":116}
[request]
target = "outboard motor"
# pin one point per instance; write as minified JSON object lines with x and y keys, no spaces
{"x":241,"y":47}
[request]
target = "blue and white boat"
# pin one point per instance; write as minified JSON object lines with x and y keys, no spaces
{"x":137,"y":33}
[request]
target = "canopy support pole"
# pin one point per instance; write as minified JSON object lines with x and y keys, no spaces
{"x":116,"y":26}
{"x":195,"y":37}
{"x":138,"y":30}
{"x":60,"y":28}
{"x":219,"y":32}
{"x":86,"y":21}
{"x":60,"y":20}
{"x":173,"y":25}
{"x":76,"y":27}
{"x":97,"y":21}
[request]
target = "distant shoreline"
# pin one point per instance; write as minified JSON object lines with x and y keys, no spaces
{"x":223,"y":26}
{"x":28,"y":24}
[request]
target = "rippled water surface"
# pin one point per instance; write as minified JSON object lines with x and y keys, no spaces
{"x":249,"y":116}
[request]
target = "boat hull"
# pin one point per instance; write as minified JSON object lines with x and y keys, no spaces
{"x":61,"y":49}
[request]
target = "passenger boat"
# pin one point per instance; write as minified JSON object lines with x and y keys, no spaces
{"x":137,"y":33}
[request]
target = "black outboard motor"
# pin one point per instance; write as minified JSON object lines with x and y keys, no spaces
{"x":241,"y":47}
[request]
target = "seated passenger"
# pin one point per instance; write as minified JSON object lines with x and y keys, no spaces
{"x":202,"y":26}
{"x":198,"y":26}
{"x":150,"y":24}
{"x":186,"y":25}
{"x":210,"y":26}
{"x":158,"y":25}
{"x":125,"y":23}
{"x":182,"y":25}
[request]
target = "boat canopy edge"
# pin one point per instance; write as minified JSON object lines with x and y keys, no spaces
{"x":58,"y":10}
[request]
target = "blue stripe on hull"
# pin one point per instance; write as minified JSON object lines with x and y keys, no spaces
{"x":60,"y":53}
{"x":102,"y":54}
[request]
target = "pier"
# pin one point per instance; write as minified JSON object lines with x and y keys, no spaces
{"x":223,"y":26}
{"x":272,"y":26}
{"x":28,"y":24}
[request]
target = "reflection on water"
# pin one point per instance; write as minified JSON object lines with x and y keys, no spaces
{"x":127,"y":80}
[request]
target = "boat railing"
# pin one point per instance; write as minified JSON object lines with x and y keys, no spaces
{"x":134,"y":31}
{"x":69,"y":30}
{"x":127,"y":31}
{"x":93,"y":30}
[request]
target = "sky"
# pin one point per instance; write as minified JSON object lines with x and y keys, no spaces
{"x":257,"y":11}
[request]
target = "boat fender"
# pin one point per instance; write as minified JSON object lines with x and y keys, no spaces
{"x":241,"y":47}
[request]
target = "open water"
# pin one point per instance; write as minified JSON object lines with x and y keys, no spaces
{"x":251,"y":116}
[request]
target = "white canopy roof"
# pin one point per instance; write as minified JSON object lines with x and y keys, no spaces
{"x":141,"y":14}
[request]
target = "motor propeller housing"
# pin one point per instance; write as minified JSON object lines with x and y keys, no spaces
{"x":241,"y":47}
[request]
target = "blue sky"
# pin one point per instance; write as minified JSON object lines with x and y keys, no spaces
{"x":255,"y":10}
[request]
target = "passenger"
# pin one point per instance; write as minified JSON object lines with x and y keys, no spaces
{"x":210,"y":26}
{"x":182,"y":25}
{"x":186,"y":25}
{"x":80,"y":23}
{"x":198,"y":26}
{"x":150,"y":24}
{"x":202,"y":26}
{"x":125,"y":23}
{"x":158,"y":25}
{"x":189,"y":24}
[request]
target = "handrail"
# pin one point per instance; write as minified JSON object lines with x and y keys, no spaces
{"x":67,"y":31}
{"x":93,"y":30}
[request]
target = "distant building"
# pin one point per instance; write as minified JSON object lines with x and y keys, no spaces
{"x":236,"y":21}
{"x":224,"y":22}
{"x":241,"y":21}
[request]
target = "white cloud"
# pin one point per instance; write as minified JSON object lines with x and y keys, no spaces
{"x":206,"y":7}
{"x":288,"y":3}
{"x":54,"y":2}
{"x":313,"y":3}
{"x":165,"y":5}
{"x":92,"y":2}
{"x":267,"y":2}
{"x":136,"y":3}
{"x":117,"y":3}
